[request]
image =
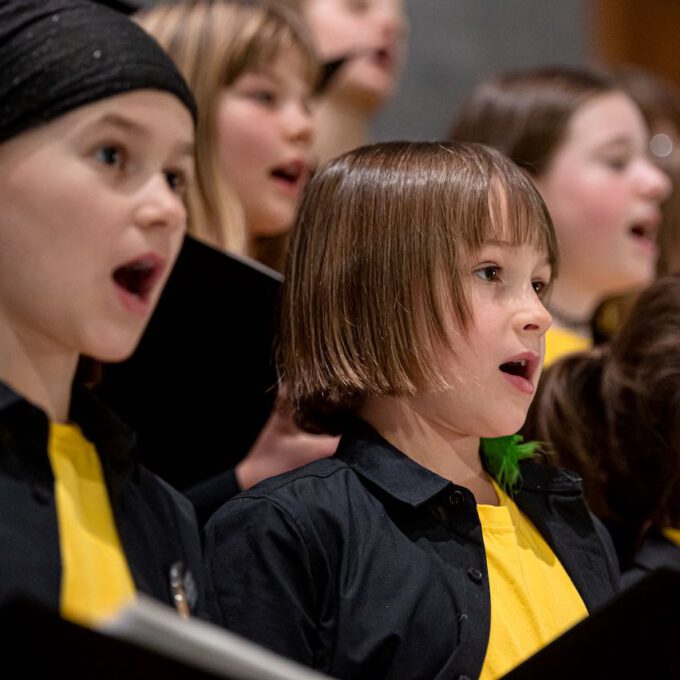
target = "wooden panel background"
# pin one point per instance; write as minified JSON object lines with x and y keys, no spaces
{"x":646,"y":33}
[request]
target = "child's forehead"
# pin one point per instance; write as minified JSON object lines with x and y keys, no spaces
{"x":285,"y":61}
{"x":536,"y":251}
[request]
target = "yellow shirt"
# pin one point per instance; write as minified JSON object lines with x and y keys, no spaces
{"x":532,"y":598}
{"x":673,"y":535}
{"x":96,"y":579}
{"x":561,"y":341}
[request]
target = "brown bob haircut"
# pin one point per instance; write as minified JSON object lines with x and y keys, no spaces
{"x":613,"y":415}
{"x":379,"y":259}
{"x":213,"y":42}
{"x":525,"y":114}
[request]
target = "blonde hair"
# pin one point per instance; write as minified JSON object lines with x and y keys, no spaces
{"x":378,"y":258}
{"x":213,"y":42}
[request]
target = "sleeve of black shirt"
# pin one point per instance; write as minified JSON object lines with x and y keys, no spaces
{"x":259,"y":577}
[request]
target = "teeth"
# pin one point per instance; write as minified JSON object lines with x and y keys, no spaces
{"x":523,"y":362}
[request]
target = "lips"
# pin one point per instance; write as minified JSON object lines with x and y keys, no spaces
{"x":647,"y":224}
{"x":520,"y":371}
{"x":384,"y":57}
{"x":292,"y":176}
{"x":136,"y":279}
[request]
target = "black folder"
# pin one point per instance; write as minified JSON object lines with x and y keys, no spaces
{"x":37,"y":643}
{"x":636,"y":635}
{"x":202,"y":381}
{"x":146,"y":641}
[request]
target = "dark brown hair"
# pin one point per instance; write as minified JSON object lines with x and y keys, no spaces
{"x":613,"y":416}
{"x":378,"y":256}
{"x":525,"y":114}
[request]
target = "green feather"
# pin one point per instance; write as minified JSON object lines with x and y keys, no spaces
{"x":501,"y":456}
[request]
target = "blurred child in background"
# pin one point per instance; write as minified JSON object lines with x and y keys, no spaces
{"x":585,"y":144}
{"x":612,"y":414}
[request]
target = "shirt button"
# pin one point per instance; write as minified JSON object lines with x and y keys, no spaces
{"x":40,"y":494}
{"x":464,"y":677}
{"x":457,"y":498}
{"x":475,"y":574}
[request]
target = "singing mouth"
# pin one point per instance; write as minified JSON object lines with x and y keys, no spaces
{"x":520,"y":368}
{"x":293,"y":174}
{"x":139,"y":276}
{"x":644,"y":232}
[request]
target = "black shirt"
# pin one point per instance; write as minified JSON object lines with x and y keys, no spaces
{"x":367,"y":565}
{"x":156,"y":525}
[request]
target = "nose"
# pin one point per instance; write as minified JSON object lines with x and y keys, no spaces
{"x":391,"y":20}
{"x":654,"y":182}
{"x":298,"y":124}
{"x":533,"y":316}
{"x":160,"y":207}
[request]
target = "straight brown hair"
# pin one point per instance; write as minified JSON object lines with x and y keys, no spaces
{"x":525,"y":114}
{"x":378,"y":259}
{"x":613,"y":415}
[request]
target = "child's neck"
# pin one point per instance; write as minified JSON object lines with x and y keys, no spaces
{"x":340,"y":127}
{"x":573,"y":306}
{"x":432,"y":444}
{"x":36,"y":372}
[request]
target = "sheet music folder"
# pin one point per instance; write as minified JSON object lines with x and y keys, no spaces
{"x":636,"y":635}
{"x":201,"y":383}
{"x":147,"y":641}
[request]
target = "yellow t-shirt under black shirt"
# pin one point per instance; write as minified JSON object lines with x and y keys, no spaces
{"x":532,"y":598}
{"x":561,"y":341}
{"x":96,"y":579}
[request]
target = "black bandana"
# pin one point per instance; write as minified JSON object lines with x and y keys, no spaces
{"x":57,"y":55}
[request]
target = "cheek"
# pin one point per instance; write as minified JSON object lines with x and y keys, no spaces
{"x":241,"y":138}
{"x":583,"y":207}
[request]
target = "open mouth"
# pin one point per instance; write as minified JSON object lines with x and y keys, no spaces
{"x":291,"y":174}
{"x":519,"y":368}
{"x":383,"y":57}
{"x":644,"y":232}
{"x":139,"y":276}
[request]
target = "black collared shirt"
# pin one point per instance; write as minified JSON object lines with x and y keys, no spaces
{"x":156,"y":525}
{"x":367,"y":565}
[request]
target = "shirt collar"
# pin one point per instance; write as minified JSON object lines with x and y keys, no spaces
{"x":374,"y":458}
{"x":100,"y":425}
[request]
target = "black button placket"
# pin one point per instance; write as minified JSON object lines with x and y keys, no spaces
{"x":461,"y":511}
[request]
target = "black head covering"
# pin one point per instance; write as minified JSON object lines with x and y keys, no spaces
{"x":57,"y":55}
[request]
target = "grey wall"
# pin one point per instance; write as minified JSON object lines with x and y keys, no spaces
{"x":455,"y":43}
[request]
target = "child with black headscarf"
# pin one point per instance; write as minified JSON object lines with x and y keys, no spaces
{"x":96,"y":149}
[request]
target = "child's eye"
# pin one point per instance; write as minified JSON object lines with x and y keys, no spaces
{"x":177,"y":181}
{"x":110,"y":155}
{"x":266,"y":97}
{"x":358,"y":5}
{"x":490,"y":273}
{"x":617,"y":164}
{"x":540,"y":287}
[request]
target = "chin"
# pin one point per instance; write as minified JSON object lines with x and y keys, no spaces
{"x":114,"y":348}
{"x":505,"y":425}
{"x":368,"y":93}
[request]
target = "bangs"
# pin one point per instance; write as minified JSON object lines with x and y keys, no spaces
{"x":278,"y":34}
{"x":495,"y":201}
{"x":518,"y":215}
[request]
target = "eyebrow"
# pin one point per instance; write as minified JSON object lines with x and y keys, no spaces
{"x":620,"y":140}
{"x":509,"y":244}
{"x":128,"y":125}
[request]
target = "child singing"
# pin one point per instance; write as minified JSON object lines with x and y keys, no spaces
{"x":96,"y":150}
{"x":413,"y":323}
